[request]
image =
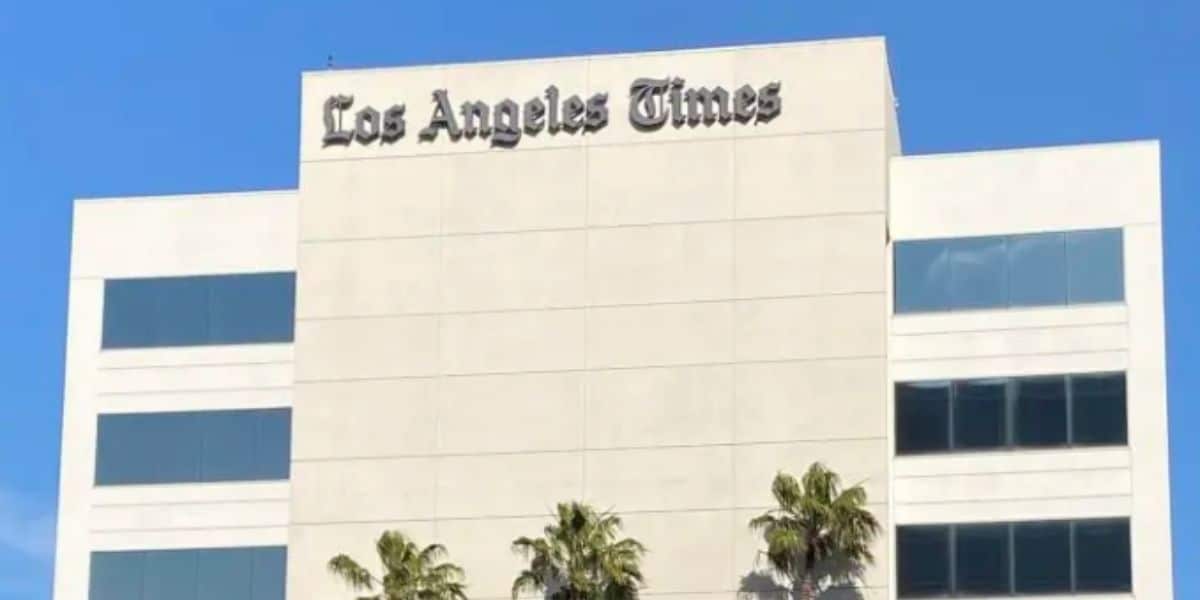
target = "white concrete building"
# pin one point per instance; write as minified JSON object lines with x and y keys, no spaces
{"x":504,"y":285}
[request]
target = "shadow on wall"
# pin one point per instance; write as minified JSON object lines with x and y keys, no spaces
{"x":837,"y":579}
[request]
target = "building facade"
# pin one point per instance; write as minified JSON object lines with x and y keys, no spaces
{"x":647,"y":281}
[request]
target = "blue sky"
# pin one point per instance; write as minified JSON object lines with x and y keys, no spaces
{"x":131,"y":97}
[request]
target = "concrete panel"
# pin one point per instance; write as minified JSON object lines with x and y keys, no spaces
{"x":991,"y":366}
{"x":1021,"y":318}
{"x":149,"y":517}
{"x":512,"y":341}
{"x":137,"y":402}
{"x":1025,"y":190}
{"x":514,"y":271}
{"x":856,"y":461}
{"x":811,"y":400}
{"x":834,"y":85}
{"x":661,"y":479}
{"x":189,"y":356}
{"x":660,"y":183}
{"x":820,"y":255}
{"x":1056,"y":340}
{"x":184,"y":235}
{"x":701,"y":540}
{"x":371,"y":199}
{"x":193,"y":378}
{"x":1000,"y":462}
{"x":483,"y":548}
{"x":366,"y":348}
{"x":173,"y":539}
{"x":660,"y":407}
{"x":660,"y":335}
{"x":980,"y":487}
{"x":662,"y":263}
{"x":368,"y":278}
{"x":511,"y":191}
{"x":506,"y":485}
{"x":817,"y":174}
{"x":356,"y":419}
{"x":340,"y":491}
{"x":816,"y":327}
{"x":984,"y":511}
{"x":510,"y":413}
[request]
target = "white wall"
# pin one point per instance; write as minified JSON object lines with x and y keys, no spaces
{"x":653,"y":322}
{"x":147,"y":237}
{"x":1031,"y":190}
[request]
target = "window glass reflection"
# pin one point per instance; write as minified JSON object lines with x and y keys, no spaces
{"x":1037,"y":267}
{"x":978,"y":273}
{"x":922,"y":276}
{"x":1095,"y":266}
{"x":922,"y":416}
{"x":980,"y":413}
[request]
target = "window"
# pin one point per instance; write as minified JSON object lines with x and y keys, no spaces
{"x":922,"y":416}
{"x":183,"y":447}
{"x":1011,"y":412}
{"x":1102,"y":561}
{"x":204,"y":574}
{"x":923,"y":560}
{"x":1040,"y":269}
{"x":1098,"y":409}
{"x":252,"y":308}
{"x":1025,"y":558}
{"x":979,"y":413}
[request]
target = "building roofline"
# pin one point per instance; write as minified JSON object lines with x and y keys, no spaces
{"x":184,"y":196}
{"x":1027,"y":149}
{"x":585,"y":57}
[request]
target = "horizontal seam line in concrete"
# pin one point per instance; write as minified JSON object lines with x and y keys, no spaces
{"x":195,"y":528}
{"x":582,"y":228}
{"x":900,"y":503}
{"x":1043,"y":471}
{"x":739,"y":362}
{"x":587,"y":141}
{"x":899,"y":361}
{"x":1021,"y":327}
{"x":546,"y":514}
{"x":206,"y":502}
{"x":579,"y":307}
{"x":590,"y":450}
{"x":172,"y":391}
{"x":189,"y":365}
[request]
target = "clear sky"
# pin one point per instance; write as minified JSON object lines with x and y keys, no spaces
{"x":126,"y":97}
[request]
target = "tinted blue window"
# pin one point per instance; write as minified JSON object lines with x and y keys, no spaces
{"x":199,"y":310}
{"x":170,"y":574}
{"x":980,"y":413}
{"x":182,"y":447}
{"x":981,"y":556}
{"x":1098,"y":409}
{"x":201,"y":574}
{"x":978,"y":273}
{"x":922,"y":276}
{"x":1102,"y":561}
{"x":1043,"y":557}
{"x":1043,"y":269}
{"x":922,"y":417}
{"x":1095,"y":266}
{"x":1037,"y":269}
{"x":116,"y":576}
{"x":923,"y":560}
{"x":1004,"y":559}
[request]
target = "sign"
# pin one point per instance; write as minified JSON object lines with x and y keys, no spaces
{"x":653,"y":104}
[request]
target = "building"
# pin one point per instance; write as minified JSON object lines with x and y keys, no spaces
{"x":649,"y":281}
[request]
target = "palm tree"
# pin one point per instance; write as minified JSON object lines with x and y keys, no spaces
{"x":817,"y":524}
{"x":410,"y":572}
{"x":579,"y":557}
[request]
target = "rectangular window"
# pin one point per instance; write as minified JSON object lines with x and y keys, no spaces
{"x":1039,"y":269}
{"x":1098,"y":408}
{"x":980,"y":413}
{"x":193,"y":447}
{"x":1040,"y":411}
{"x":922,"y":417}
{"x":1102,"y":561}
{"x":256,"y":573}
{"x":251,"y":308}
{"x":1011,"y":412}
{"x":923,"y":560}
{"x":1023,"y":558}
